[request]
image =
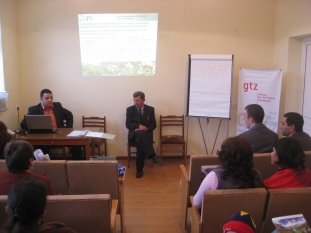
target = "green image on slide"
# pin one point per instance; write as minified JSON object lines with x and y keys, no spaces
{"x":119,"y":69}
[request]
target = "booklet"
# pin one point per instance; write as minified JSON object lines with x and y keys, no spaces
{"x":77,"y":133}
{"x":291,"y":223}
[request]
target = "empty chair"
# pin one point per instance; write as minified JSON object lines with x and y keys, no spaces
{"x":172,"y":143}
{"x":219,"y":205}
{"x":97,"y":122}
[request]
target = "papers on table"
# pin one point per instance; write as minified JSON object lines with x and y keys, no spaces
{"x":100,"y":135}
{"x":78,"y":133}
{"x":87,"y":133}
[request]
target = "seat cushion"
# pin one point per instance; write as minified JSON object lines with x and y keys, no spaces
{"x":172,"y":139}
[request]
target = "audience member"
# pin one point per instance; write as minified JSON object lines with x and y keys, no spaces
{"x":18,"y":156}
{"x":240,"y":222}
{"x":259,"y":136}
{"x":58,"y":113}
{"x":140,"y":121}
{"x":26,"y":209}
{"x":236,"y":171}
{"x":289,"y":157}
{"x":5,"y":137}
{"x":292,"y":126}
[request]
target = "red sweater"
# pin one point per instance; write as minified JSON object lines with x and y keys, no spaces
{"x":8,"y":179}
{"x":289,"y":178}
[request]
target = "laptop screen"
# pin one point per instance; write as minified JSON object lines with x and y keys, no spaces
{"x":39,"y":123}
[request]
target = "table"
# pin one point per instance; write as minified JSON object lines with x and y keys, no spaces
{"x":59,"y":139}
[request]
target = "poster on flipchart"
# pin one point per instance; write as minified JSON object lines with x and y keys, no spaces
{"x":210,"y":86}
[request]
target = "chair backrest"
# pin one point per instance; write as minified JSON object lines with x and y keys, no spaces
{"x":262,"y":162}
{"x":2,"y":164}
{"x":83,"y":213}
{"x":195,"y":174}
{"x":3,"y":213}
{"x":56,"y":170}
{"x":89,"y":122}
{"x":171,"y":120}
{"x":93,"y":177}
{"x":220,"y":205}
{"x":283,"y":202}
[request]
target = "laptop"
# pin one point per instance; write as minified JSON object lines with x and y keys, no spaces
{"x":39,"y":124}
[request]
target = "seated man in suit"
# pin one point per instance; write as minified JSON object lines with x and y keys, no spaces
{"x":292,"y":126}
{"x":58,"y":113}
{"x":140,"y":121}
{"x":259,"y":136}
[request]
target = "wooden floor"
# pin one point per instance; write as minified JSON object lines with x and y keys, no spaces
{"x":152,"y":203}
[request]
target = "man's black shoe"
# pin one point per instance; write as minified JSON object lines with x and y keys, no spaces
{"x":156,"y":159}
{"x":139,"y":174}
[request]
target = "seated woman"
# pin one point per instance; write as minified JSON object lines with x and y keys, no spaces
{"x":18,"y":156}
{"x":5,"y":137}
{"x":288,"y":155}
{"x":236,"y":172}
{"x":26,"y":209}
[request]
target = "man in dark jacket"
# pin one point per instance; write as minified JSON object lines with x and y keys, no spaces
{"x":58,"y":114}
{"x":292,"y":126}
{"x":140,"y":121}
{"x":259,"y":136}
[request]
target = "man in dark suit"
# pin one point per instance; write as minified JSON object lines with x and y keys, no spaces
{"x":292,"y":126}
{"x":58,"y":113}
{"x":259,"y":136}
{"x":140,"y":121}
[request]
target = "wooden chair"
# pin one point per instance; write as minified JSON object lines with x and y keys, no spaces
{"x":89,"y":122}
{"x":130,"y":146}
{"x":97,"y":177}
{"x":219,"y":205}
{"x":171,"y":143}
{"x":288,"y":201}
{"x":83,"y":213}
{"x":56,"y":170}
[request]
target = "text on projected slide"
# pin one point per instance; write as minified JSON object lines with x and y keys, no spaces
{"x":118,"y":44}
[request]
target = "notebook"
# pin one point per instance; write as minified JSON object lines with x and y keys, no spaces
{"x":39,"y":124}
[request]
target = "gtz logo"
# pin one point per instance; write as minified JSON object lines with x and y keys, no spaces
{"x":250,"y":86}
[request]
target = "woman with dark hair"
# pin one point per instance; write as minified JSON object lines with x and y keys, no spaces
{"x":18,"y":156}
{"x":5,"y":137}
{"x":288,"y":155}
{"x":236,"y":172}
{"x":26,"y":209}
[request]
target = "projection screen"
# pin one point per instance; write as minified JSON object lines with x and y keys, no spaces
{"x":118,"y":44}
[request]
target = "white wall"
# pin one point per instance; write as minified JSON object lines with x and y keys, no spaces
{"x":48,"y":46}
{"x":292,"y":24}
{"x":11,"y":63}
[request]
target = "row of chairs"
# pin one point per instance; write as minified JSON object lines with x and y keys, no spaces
{"x":262,"y":205}
{"x":191,"y":180}
{"x":83,"y":177}
{"x":83,"y":213}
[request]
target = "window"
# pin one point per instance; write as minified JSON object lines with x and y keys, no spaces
{"x":3,"y":94}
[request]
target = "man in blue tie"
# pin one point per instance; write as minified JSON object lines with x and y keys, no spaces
{"x":140,"y":121}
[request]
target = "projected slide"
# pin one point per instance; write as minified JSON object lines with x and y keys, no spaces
{"x":118,"y":44}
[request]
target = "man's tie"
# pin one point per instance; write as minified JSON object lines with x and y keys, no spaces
{"x":141,"y":115}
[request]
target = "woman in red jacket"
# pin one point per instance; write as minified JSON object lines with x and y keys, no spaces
{"x":288,"y":155}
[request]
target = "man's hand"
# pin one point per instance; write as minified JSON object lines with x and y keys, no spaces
{"x":142,"y":127}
